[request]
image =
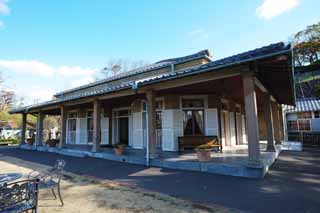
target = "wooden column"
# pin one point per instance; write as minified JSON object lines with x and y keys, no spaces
{"x":151,"y":123}
{"x":96,"y":126}
{"x":251,"y":117}
{"x":276,"y":123}
{"x":269,"y":123}
{"x":39,"y":128}
{"x":63,"y":118}
{"x":23,"y":129}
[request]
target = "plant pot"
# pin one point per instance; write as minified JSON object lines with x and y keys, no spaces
{"x":30,"y":141}
{"x":119,"y":150}
{"x":204,"y":155}
{"x":52,"y":143}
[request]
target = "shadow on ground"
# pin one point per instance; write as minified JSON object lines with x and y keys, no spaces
{"x":292,"y":185}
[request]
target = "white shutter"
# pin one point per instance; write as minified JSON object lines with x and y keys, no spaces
{"x":82,"y":131}
{"x":232,"y":129}
{"x":211,"y":122}
{"x":244,"y":132}
{"x":137,"y":133}
{"x":172,"y":128}
{"x":104,"y":130}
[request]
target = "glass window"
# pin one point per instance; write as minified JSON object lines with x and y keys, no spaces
{"x":123,"y":113}
{"x":304,"y":125}
{"x":72,"y":115}
{"x":292,"y":126}
{"x":193,"y":122}
{"x":90,"y":114}
{"x":159,"y":105}
{"x":158,"y":120}
{"x":304,"y":115}
{"x":192,"y":103}
{"x":90,"y":129}
{"x":317,"y":114}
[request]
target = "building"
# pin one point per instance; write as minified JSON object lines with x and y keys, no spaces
{"x":150,"y":107}
{"x":303,"y":121}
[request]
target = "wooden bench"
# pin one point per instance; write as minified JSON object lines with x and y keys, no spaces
{"x":191,"y":142}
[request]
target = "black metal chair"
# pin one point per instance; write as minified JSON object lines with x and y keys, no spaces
{"x":20,"y":196}
{"x":51,"y":178}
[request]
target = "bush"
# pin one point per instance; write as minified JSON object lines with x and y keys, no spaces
{"x":10,"y":141}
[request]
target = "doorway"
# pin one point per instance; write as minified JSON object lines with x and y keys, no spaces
{"x":121,"y":126}
{"x":123,"y":130}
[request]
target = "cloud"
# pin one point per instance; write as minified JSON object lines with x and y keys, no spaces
{"x":272,"y":8}
{"x":82,"y":81}
{"x":1,"y":24}
{"x":4,"y":9}
{"x":198,"y":33}
{"x":43,"y":80}
{"x":37,"y":68}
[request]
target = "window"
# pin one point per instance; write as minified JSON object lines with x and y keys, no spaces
{"x":304,"y":125}
{"x":293,"y":126}
{"x":304,"y":115}
{"x":299,"y":125}
{"x":193,"y":122}
{"x":317,"y":114}
{"x":193,"y":116}
{"x":159,"y":105}
{"x":192,"y":103}
{"x":72,"y":115}
{"x":90,"y":126}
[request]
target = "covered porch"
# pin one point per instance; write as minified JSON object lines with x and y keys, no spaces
{"x":239,"y":102}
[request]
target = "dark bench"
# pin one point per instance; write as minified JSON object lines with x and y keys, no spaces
{"x":191,"y":142}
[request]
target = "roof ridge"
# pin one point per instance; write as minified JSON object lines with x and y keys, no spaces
{"x":136,"y":71}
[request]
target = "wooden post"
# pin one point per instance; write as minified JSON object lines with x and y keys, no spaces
{"x":251,"y":117}
{"x":282,"y":124}
{"x":276,"y":123}
{"x":151,"y":123}
{"x":269,"y":123}
{"x":96,"y":126}
{"x":39,"y":129}
{"x":63,"y":118}
{"x":23,"y":129}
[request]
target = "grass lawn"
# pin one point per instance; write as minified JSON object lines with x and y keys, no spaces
{"x":87,"y":194}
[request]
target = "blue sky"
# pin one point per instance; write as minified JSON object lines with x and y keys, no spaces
{"x":48,"y":46}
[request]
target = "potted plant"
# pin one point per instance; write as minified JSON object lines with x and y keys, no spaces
{"x":119,"y":148}
{"x":204,"y":152}
{"x":30,"y":141}
{"x":52,"y":142}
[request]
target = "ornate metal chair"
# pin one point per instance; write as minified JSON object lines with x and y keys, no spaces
{"x":51,"y":178}
{"x":20,"y":196}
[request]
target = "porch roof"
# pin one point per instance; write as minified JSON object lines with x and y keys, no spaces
{"x":238,"y":59}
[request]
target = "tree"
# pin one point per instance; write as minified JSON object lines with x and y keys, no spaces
{"x":306,"y":45}
{"x":116,"y":66}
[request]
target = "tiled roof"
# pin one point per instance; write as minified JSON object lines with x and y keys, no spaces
{"x":263,"y":52}
{"x":304,"y":105}
{"x":147,"y":68}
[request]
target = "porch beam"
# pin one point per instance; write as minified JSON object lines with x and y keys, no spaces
{"x":23,"y":128}
{"x":63,"y":118}
{"x":276,"y":122}
{"x":269,"y":123}
{"x":96,"y":126}
{"x":151,"y":123}
{"x":251,"y":114}
{"x":193,"y":79}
